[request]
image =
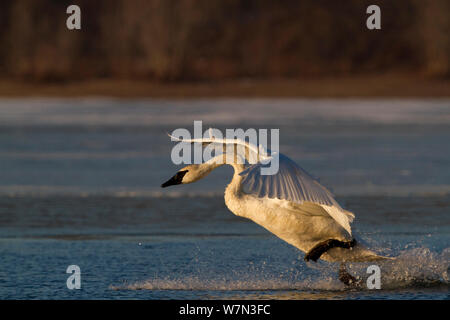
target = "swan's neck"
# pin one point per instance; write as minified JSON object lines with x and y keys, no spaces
{"x":235,"y":184}
{"x":233,"y":190}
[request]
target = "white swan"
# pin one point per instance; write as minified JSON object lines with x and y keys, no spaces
{"x":290,"y":204}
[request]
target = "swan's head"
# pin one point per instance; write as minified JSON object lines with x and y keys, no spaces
{"x":187,"y":175}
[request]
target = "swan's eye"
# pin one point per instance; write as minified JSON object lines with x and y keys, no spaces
{"x":180,"y":174}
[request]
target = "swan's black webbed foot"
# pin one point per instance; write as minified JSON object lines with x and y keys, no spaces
{"x":322,"y":247}
{"x":347,"y":278}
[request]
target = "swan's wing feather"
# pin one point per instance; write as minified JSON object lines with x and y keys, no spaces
{"x":294,"y":184}
{"x":290,"y":183}
{"x":251,"y":151}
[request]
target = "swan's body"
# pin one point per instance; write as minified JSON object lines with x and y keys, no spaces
{"x":301,"y":225}
{"x":290,"y":204}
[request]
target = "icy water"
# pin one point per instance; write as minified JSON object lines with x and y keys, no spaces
{"x":79,"y":184}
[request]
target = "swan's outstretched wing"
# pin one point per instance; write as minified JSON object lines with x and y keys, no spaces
{"x":294,"y":184}
{"x":249,"y":151}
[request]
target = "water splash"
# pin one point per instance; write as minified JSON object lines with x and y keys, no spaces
{"x":198,"y":283}
{"x":413,"y":268}
{"x":417,"y":268}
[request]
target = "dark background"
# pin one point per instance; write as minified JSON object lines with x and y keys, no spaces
{"x":204,"y":40}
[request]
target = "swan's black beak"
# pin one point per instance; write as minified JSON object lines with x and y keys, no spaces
{"x":176,"y":179}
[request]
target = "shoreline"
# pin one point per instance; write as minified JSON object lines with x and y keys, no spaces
{"x":338,"y":87}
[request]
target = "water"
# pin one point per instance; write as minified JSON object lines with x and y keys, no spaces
{"x":80,"y":185}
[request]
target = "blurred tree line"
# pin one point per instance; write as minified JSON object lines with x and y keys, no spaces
{"x":193,"y":40}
